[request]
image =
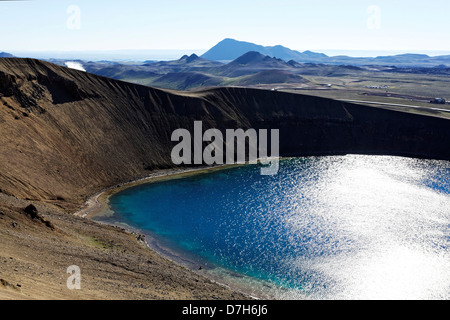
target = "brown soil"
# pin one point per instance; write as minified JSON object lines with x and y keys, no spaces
{"x":115,"y":263}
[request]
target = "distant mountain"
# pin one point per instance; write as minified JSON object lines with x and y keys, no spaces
{"x":254,"y":59}
{"x":250,"y":63}
{"x":230,"y":49}
{"x":190,"y":59}
{"x":314,"y":55}
{"x":6,"y":55}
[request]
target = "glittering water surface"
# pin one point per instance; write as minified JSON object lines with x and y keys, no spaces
{"x":351,"y":227}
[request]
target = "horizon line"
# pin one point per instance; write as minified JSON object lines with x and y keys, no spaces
{"x":331,"y":52}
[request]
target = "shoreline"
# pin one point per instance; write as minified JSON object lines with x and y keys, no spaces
{"x":94,"y":204}
{"x":97,"y":207}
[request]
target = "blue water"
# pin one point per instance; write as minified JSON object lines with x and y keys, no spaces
{"x":350,"y":227}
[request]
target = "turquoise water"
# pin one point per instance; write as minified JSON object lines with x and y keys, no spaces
{"x":350,"y":227}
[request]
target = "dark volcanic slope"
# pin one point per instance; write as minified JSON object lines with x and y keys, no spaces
{"x":66,"y":134}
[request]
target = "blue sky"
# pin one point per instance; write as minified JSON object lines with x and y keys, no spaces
{"x":376,"y":25}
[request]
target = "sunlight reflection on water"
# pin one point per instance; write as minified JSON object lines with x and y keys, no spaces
{"x":353,"y":227}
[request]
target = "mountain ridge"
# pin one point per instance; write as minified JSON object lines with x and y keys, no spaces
{"x":6,"y":55}
{"x":230,"y":49}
